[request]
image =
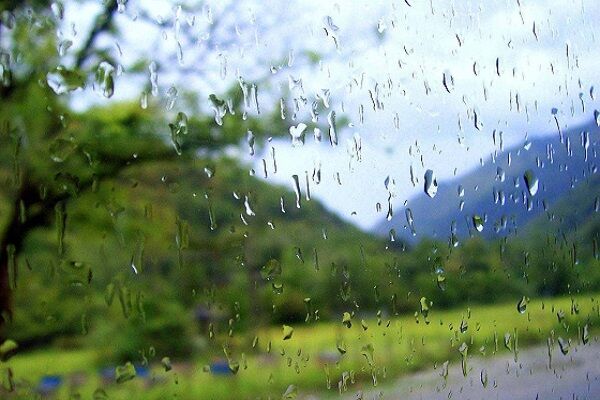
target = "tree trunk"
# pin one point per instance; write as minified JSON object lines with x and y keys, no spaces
{"x":12,"y":237}
{"x":21,"y":221}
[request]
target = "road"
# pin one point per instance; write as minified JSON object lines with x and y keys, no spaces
{"x":574,"y":376}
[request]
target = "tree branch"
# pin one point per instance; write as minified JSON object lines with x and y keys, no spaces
{"x":102,"y":23}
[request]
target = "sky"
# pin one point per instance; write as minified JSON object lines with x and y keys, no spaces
{"x":421,"y":84}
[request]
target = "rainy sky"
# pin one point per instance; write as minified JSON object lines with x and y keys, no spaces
{"x":425,"y":84}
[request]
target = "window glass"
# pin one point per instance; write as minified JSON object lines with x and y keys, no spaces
{"x":246,"y":199}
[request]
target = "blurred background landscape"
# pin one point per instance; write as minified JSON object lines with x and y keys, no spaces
{"x":199,"y":202}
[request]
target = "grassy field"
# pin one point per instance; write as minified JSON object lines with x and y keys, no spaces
{"x":324,"y":357}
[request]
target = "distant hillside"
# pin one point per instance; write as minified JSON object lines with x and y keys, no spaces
{"x":574,"y":218}
{"x":497,"y":191}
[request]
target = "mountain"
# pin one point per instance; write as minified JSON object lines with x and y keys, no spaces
{"x":574,"y":219}
{"x":495,"y":197}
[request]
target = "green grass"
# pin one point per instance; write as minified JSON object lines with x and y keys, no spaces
{"x":399,"y":345}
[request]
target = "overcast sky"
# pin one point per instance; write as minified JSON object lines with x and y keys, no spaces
{"x":505,"y":65}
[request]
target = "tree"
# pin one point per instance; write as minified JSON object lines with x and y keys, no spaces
{"x":51,"y":155}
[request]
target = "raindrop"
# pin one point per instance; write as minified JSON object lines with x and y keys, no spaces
{"x":248,"y":208}
{"x":271,"y":270}
{"x":297,"y":134}
{"x":178,"y":129}
{"x":63,"y":46}
{"x":410,"y":221}
{"x":347,"y":319}
{"x":448,"y":81}
{"x":424,"y":307}
{"x":250,"y":138}
{"x":166,"y":363}
{"x":477,"y":223}
{"x":430,"y":185}
{"x":144,"y":100}
{"x":484,"y":377}
{"x":153,"y":69}
{"x":219,"y":108}
{"x":58,"y":9}
{"x":297,"y":190}
{"x":124,"y":373}
{"x":290,"y":393}
{"x":464,"y":325}
{"x":105,"y":79}
{"x":585,"y":334}
{"x":522,"y":305}
{"x":288,"y":331}
{"x":564,"y":345}
{"x":172,"y":94}
{"x":440,"y":278}
{"x":463,"y":349}
{"x":531,"y":181}
{"x":333,"y":140}
{"x":444,"y":372}
{"x":63,"y":80}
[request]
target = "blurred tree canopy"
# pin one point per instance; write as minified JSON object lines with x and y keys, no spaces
{"x":51,"y":155}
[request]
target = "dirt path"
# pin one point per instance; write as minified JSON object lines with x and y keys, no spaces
{"x":575,"y":376}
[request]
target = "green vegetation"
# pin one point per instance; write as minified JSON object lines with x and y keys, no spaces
{"x":317,"y":355}
{"x":135,"y":235}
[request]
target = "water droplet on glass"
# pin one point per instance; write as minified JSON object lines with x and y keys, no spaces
{"x":531,"y":181}
{"x":522,"y":305}
{"x":333,"y":139}
{"x":410,"y":221}
{"x":440,"y":278}
{"x":63,"y":46}
{"x":250,"y":139}
{"x":585,"y":334}
{"x":288,"y":331}
{"x":166,"y":363}
{"x":448,"y":81}
{"x":153,"y":69}
{"x":124,"y":373}
{"x":347,"y":319}
{"x":144,"y":100}
{"x":172,"y":95}
{"x":63,"y":80}
{"x":271,"y":270}
{"x":105,"y":79}
{"x":297,"y":134}
{"x":219,"y":108}
{"x":290,"y":393}
{"x":463,"y":349}
{"x":58,"y":9}
{"x":477,"y":223}
{"x":247,"y":207}
{"x":430,"y":185}
{"x":484,"y":377}
{"x":464,"y":325}
{"x":297,"y":190}
{"x":424,"y":307}
{"x":179,"y":128}
{"x":564,"y":345}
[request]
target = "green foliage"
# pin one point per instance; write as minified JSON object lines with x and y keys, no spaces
{"x":397,"y":345}
{"x":127,"y":223}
